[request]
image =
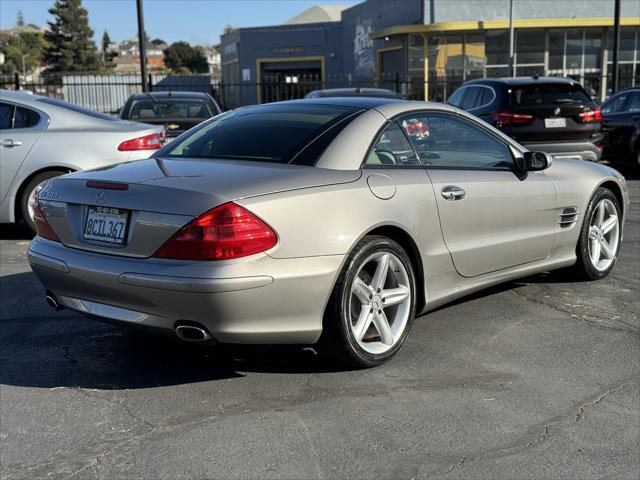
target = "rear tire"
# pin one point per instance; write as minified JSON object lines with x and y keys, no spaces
{"x":599,"y":241}
{"x":29,"y":192}
{"x":372,"y":306}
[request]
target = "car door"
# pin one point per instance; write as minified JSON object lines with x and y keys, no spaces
{"x":491,"y":217}
{"x":621,"y":117}
{"x":20,"y":128}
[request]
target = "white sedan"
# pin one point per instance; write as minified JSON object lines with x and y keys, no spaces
{"x":42,"y":138}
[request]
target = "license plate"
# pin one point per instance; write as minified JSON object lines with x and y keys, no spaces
{"x":106,"y":224}
{"x":555,"y":122}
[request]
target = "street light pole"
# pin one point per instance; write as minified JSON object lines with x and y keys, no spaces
{"x":616,"y":46}
{"x":512,"y":72}
{"x":142,"y":47}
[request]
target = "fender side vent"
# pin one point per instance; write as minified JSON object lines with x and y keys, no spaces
{"x":567,"y":217}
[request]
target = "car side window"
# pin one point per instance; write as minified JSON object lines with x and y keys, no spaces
{"x":615,"y":104}
{"x":392,"y":148}
{"x":633,"y":105}
{"x":25,"y":118}
{"x":456,"y":97}
{"x":471,"y":98}
{"x":6,"y":112}
{"x":450,"y":142}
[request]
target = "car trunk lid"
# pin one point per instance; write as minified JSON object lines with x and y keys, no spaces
{"x":156,"y":197}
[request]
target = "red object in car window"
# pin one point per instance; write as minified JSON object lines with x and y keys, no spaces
{"x":418,"y":128}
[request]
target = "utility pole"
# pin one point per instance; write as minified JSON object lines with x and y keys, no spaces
{"x":616,"y":46}
{"x":142,"y":47}
{"x":512,"y":71}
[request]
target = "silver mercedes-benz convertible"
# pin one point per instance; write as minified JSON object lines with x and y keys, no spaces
{"x":331,"y":221}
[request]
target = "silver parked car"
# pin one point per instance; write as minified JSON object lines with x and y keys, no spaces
{"x":41,"y":138}
{"x":332,"y":220}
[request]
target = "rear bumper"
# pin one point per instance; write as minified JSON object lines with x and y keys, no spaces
{"x":582,"y":150}
{"x":256,"y":300}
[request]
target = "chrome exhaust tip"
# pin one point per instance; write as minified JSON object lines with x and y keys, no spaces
{"x":52,"y":302}
{"x":192,"y":333}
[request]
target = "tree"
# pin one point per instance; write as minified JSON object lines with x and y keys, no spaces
{"x":106,"y":41}
{"x":182,"y":57}
{"x":20,"y":19}
{"x":25,"y":46}
{"x":70,"y":46}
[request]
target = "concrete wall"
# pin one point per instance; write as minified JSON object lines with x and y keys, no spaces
{"x":436,"y":11}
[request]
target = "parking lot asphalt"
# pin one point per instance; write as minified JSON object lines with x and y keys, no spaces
{"x":537,"y":378}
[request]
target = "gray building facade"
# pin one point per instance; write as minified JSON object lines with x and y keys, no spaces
{"x":427,"y":48}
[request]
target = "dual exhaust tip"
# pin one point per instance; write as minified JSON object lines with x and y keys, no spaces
{"x":187,"y":332}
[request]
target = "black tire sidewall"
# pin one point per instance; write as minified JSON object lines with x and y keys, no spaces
{"x":33,"y":183}
{"x":356,"y":355}
{"x":583,"y":245}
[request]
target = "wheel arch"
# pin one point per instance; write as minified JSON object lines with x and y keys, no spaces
{"x":617,"y":191}
{"x":408,"y":244}
{"x":17,"y":202}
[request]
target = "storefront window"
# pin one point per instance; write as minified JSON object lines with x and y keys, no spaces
{"x":530,"y":46}
{"x":474,"y":55}
{"x":593,"y":49}
{"x":415,"y":90}
{"x":627,"y":44}
{"x":497,"y":47}
{"x":574,"y":49}
{"x":556,"y":50}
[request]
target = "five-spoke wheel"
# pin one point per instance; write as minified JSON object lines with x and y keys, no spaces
{"x":372,"y":305}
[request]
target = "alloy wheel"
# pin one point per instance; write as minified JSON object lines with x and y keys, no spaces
{"x":380,"y":302}
{"x":31,"y":202}
{"x":604,"y":235}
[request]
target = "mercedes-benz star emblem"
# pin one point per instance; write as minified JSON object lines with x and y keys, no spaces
{"x":556,"y":112}
{"x":101,"y":197}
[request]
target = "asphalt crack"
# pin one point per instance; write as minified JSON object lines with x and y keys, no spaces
{"x":589,"y":319}
{"x":546,"y":428}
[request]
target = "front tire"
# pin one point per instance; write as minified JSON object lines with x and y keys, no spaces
{"x":372,"y":306}
{"x":29,"y":193}
{"x":599,"y":241}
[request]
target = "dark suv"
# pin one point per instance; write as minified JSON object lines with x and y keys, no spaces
{"x":554,"y":115}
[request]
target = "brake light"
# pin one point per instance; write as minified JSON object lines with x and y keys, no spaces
{"x":148,"y":142}
{"x":594,"y":115}
{"x":225,"y":232}
{"x":42,"y":225}
{"x":505,"y":117}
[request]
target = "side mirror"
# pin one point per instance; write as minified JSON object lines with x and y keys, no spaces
{"x":535,"y":161}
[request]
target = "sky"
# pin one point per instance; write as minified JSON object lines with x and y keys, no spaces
{"x":196,"y":21}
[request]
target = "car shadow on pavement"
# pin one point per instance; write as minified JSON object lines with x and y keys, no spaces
{"x":15,"y":231}
{"x":46,"y":349}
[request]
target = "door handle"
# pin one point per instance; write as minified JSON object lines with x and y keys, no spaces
{"x":10,"y":143}
{"x":451,"y":192}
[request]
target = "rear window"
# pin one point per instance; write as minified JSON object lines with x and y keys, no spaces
{"x":148,"y":108}
{"x":549,"y":94}
{"x":76,"y":109}
{"x":266,"y":133}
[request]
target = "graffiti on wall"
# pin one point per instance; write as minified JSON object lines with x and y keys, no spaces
{"x":363,"y":54}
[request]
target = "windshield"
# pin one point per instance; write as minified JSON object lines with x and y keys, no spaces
{"x":266,"y":133}
{"x":148,"y":108}
{"x":549,"y":94}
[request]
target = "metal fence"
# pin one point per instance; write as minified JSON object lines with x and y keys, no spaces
{"x":108,"y":93}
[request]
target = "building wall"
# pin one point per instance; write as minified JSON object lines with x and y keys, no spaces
{"x":358,"y":50}
{"x":436,"y":11}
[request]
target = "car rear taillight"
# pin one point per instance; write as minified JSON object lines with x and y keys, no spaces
{"x":593,"y":115}
{"x":42,"y":225}
{"x":148,"y":142}
{"x":225,"y":232}
{"x":505,"y":117}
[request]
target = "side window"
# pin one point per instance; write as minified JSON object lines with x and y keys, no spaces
{"x":633,"y":105}
{"x":455,"y":98}
{"x":447,"y":141}
{"x":487,"y":96}
{"x":471,"y":98}
{"x":614,"y":104}
{"x":25,"y":118}
{"x":392,"y":148}
{"x":6,"y":111}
